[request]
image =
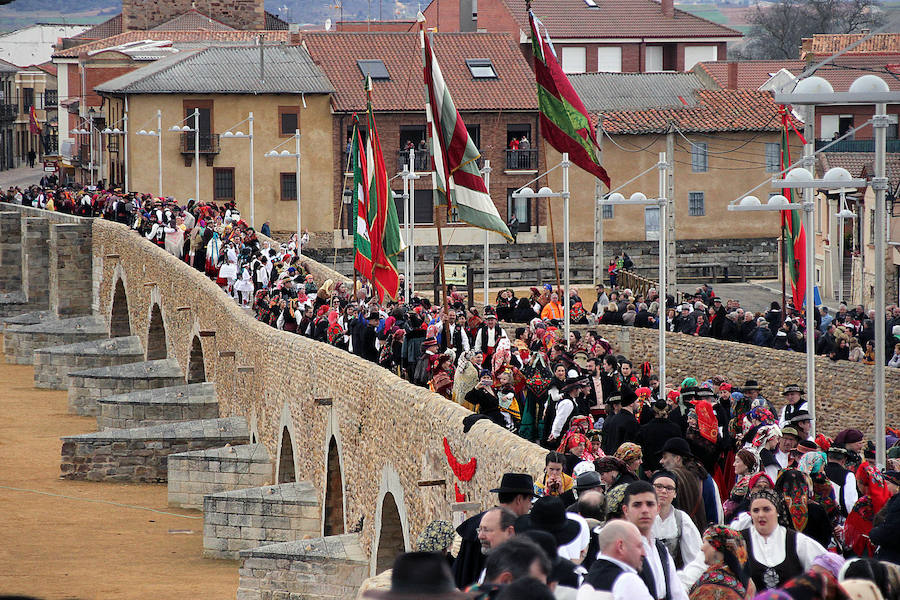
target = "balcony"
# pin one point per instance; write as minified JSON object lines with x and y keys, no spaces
{"x":522,"y":160}
{"x":421,"y":161}
{"x":8,"y":112}
{"x":209,"y":147}
{"x":50,"y":100}
{"x":857,"y":145}
{"x":112,"y":143}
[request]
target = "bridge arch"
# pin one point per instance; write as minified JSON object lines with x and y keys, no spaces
{"x":391,"y":523}
{"x":119,"y":316}
{"x":286,"y":467}
{"x":333,"y":506}
{"x":196,"y":371}
{"x":157,"y":338}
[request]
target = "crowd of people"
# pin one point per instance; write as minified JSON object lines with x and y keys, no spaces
{"x":705,"y":490}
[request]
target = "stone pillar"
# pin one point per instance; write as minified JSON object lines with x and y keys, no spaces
{"x":36,"y":261}
{"x":10,"y":252}
{"x":71,"y":269}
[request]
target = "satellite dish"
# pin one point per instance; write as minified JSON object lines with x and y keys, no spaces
{"x":327,"y":24}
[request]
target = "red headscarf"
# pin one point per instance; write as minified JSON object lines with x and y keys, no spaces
{"x":706,"y":420}
{"x":874,"y":481}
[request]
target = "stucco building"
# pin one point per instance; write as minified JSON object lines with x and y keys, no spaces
{"x":36,"y":86}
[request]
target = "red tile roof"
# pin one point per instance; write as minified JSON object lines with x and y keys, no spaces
{"x":861,"y":164}
{"x":190,"y":20}
{"x":336,"y":54}
{"x":47,"y":67}
{"x":102,"y":30}
{"x":751,"y":73}
{"x":615,"y":19}
{"x":842,"y":72}
{"x":826,"y":44}
{"x":716,"y":110}
{"x":175,"y":36}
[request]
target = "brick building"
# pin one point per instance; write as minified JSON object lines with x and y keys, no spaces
{"x":493,"y":88}
{"x":629,"y":36}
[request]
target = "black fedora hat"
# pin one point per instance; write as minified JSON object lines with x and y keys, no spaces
{"x":515,"y":483}
{"x":792,"y":387}
{"x":420,"y":575}
{"x":802,"y":415}
{"x":677,"y":446}
{"x":549,"y":514}
{"x":751,"y":384}
{"x":575,"y":382}
{"x":588,"y":481}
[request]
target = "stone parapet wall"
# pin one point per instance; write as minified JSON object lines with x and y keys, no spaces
{"x":328,"y":568}
{"x":88,"y":386}
{"x":193,"y":475}
{"x":20,"y":341}
{"x":141,"y":455}
{"x":243,"y":519}
{"x":53,"y":365}
{"x":71,"y":265}
{"x":36,"y":260}
{"x":10,"y":251}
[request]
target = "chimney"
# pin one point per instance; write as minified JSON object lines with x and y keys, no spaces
{"x":732,"y":75}
{"x":668,"y":8}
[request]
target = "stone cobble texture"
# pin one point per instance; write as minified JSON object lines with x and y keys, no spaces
{"x":53,"y":365}
{"x":20,"y":341}
{"x":36,"y":260}
{"x":193,"y":475}
{"x":10,"y":251}
{"x":141,"y":454}
{"x":246,"y":518}
{"x":157,"y":406}
{"x":88,"y":386}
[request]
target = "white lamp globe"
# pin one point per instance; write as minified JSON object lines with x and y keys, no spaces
{"x":777,"y":200}
{"x":838,"y":174}
{"x":227,"y":134}
{"x":799,"y":174}
{"x":813,"y":85}
{"x":285,"y":152}
{"x":750,"y":201}
{"x":869,"y":84}
{"x":846,"y":214}
{"x":638,"y":197}
{"x":544,"y":191}
{"x":525,"y":192}
{"x":616,"y":197}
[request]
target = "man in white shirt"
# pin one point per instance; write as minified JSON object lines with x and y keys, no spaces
{"x":615,"y":572}
{"x":640,"y":507}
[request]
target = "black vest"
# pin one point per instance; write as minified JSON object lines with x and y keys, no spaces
{"x":603,"y":574}
{"x":767,"y":578}
{"x":838,"y":474}
{"x":646,"y":574}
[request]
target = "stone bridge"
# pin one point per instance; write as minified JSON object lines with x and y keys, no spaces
{"x":314,"y":467}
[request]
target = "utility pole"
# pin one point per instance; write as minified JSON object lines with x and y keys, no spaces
{"x":598,"y":220}
{"x":671,"y":272}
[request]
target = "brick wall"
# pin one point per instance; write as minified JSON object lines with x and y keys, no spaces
{"x":146,"y":14}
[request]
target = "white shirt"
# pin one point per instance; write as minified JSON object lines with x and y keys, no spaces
{"x":691,"y":541}
{"x":851,"y":495}
{"x":564,"y":408}
{"x":627,"y":586}
{"x":654,"y":561}
{"x":770,"y":551}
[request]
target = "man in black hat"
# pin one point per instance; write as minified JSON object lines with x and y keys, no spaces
{"x":842,"y":479}
{"x":623,"y":426}
{"x":802,"y":422}
{"x":420,"y":575}
{"x":488,"y":336}
{"x":549,"y":514}
{"x":654,"y":434}
{"x":515,"y":493}
{"x":676,"y":455}
{"x":571,"y":404}
{"x":794,"y":402}
{"x":368,"y":350}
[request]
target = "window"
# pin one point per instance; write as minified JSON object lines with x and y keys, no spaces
{"x":696,"y":206}
{"x":699,"y":158}
{"x":521,"y":207}
{"x":205,"y":108}
{"x":289,"y":187}
{"x":475,"y":134}
{"x":609,"y":59}
{"x":653,"y":59}
{"x":695,"y":54}
{"x":773,"y":157}
{"x":423,"y":209}
{"x":481,"y":68}
{"x":223,"y":183}
{"x":288,"y":120}
{"x":521,"y":154}
{"x":573,"y":59}
{"x":828,"y":125}
{"x":373,"y":68}
{"x":27,"y":99}
{"x":607,"y":211}
{"x":871,"y":227}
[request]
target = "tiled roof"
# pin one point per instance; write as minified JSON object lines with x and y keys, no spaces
{"x":225,"y":70}
{"x":275,"y":23}
{"x":8,"y":67}
{"x":614,"y":19}
{"x":209,"y":37}
{"x":751,"y":73}
{"x":825,"y":44}
{"x":337,"y":53}
{"x":191,"y":20}
{"x":861,"y":164}
{"x":716,"y":110}
{"x":47,"y":67}
{"x":629,"y":91}
{"x":842,"y":72}
{"x":102,"y":30}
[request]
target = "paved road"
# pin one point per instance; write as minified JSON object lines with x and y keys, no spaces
{"x":20,"y":177}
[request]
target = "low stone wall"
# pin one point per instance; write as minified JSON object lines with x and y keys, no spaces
{"x":20,"y":342}
{"x":53,"y":365}
{"x":141,"y":455}
{"x":193,"y":475}
{"x":243,"y":519}
{"x":88,"y":386}
{"x":329,"y":568}
{"x":161,"y":405}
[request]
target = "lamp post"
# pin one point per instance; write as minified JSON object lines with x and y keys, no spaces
{"x":247,"y":136}
{"x":800,"y":178}
{"x":123,"y":132}
{"x":157,"y":133}
{"x":486,"y":172}
{"x":89,"y":131}
{"x":545,"y":192}
{"x":196,"y":129}
{"x":843,"y":214}
{"x":409,"y":223}
{"x":641,"y":199}
{"x":868,"y":89}
{"x":273,"y":153}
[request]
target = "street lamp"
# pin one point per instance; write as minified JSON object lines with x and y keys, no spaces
{"x":842,"y":214}
{"x":123,"y":132}
{"x":409,"y":223}
{"x":274,"y":153}
{"x":868,"y":89}
{"x":546,"y":192}
{"x":800,"y":178}
{"x":89,"y":131}
{"x":196,"y":129}
{"x":157,"y":133}
{"x":247,"y":136}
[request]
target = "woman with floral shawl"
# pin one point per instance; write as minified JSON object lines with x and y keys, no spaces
{"x":813,"y":464}
{"x":726,"y":576}
{"x":806,"y":516}
{"x":875,"y":495}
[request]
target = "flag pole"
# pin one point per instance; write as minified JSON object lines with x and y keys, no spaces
{"x":553,"y":243}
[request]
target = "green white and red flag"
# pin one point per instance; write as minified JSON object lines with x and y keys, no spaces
{"x":362,"y":256}
{"x":564,"y":120}
{"x":454,"y":157}
{"x":791,"y":223}
{"x":384,"y":226}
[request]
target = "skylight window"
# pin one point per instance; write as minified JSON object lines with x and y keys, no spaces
{"x":591,"y":3}
{"x":481,"y":68}
{"x":373,"y":68}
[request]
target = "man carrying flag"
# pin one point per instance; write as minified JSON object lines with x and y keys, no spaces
{"x":362,"y":259}
{"x":564,"y":119}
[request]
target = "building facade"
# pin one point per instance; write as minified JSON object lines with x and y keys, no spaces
{"x":36,"y":87}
